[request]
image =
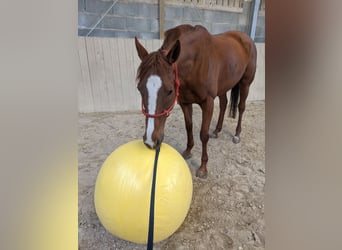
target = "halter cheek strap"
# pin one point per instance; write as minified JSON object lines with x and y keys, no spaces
{"x":167,"y":111}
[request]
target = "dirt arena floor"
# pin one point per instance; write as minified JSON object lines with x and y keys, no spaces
{"x":227,"y":209}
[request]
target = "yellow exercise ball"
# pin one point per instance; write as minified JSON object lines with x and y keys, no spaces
{"x":123,"y":192}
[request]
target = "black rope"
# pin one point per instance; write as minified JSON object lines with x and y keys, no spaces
{"x":153,"y":188}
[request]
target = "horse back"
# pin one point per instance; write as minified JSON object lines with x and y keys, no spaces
{"x":211,"y":64}
{"x":190,"y":35}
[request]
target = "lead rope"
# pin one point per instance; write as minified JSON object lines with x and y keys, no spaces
{"x":153,"y":188}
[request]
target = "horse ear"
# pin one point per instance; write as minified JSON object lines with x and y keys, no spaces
{"x":142,"y":52}
{"x":174,"y":52}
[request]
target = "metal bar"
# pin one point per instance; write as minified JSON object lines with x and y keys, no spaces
{"x":97,"y":23}
{"x":255,"y":8}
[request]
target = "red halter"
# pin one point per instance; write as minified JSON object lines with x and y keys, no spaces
{"x":167,"y":111}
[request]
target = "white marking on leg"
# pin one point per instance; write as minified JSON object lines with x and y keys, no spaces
{"x":153,"y":85}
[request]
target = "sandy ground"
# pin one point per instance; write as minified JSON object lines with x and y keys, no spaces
{"x":227,"y":209}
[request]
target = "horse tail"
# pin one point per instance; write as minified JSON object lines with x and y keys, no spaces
{"x":234,"y":99}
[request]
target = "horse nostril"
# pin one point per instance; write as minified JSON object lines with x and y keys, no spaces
{"x":148,"y":145}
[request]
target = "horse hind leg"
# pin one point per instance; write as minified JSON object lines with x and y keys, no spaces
{"x":223,"y":105}
{"x":244,"y":89}
{"x":243,"y":86}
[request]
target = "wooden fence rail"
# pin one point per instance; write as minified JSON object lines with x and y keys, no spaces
{"x":231,"y":5}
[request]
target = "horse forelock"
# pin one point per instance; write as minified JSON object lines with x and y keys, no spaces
{"x":154,"y":63}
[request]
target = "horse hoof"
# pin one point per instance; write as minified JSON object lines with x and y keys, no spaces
{"x":214,"y":135}
{"x":201,"y":174}
{"x":186,"y":155}
{"x":236,"y":139}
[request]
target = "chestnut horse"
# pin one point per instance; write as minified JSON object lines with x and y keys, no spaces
{"x":193,"y":66}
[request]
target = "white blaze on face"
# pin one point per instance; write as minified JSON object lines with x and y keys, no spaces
{"x":153,"y":85}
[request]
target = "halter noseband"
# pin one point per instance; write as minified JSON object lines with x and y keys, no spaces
{"x":167,"y":111}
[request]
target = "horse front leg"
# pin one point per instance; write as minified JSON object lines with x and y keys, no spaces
{"x":207,"y":113}
{"x":187,"y":111}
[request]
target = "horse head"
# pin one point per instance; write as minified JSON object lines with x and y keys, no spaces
{"x":158,"y":85}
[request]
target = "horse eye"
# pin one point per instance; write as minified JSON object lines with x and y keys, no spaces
{"x":169,"y":92}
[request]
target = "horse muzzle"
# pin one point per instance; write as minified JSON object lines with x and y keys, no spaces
{"x":153,"y":144}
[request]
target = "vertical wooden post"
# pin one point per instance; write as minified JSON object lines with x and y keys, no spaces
{"x":161,"y":18}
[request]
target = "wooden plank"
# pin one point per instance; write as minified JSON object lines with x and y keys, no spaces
{"x":130,"y":84}
{"x":97,"y":74}
{"x":118,"y":91}
{"x":136,"y":59}
{"x":101,"y":76}
{"x":137,"y":62}
{"x":124,"y":72}
{"x":109,"y":73}
{"x":92,"y":69}
{"x":85,"y":97}
{"x":225,"y":5}
{"x":91,"y":62}
{"x":135,"y":65}
{"x":104,"y":83}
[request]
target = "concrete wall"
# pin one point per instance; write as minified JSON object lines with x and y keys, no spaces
{"x":108,"y":68}
{"x":128,"y":19}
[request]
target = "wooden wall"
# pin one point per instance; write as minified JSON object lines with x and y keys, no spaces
{"x":108,"y":74}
